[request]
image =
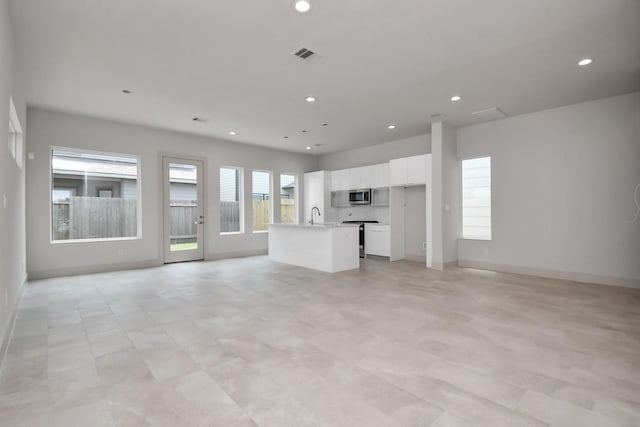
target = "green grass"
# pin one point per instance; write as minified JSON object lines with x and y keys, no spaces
{"x":184,"y":246}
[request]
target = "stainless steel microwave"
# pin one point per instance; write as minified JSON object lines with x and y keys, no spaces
{"x":360,"y":197}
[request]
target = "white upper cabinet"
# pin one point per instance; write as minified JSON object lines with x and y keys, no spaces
{"x":373,"y":176}
{"x":340,"y":180}
{"x":398,"y":172}
{"x":417,"y":170}
{"x":379,"y":175}
{"x":355,"y":178}
{"x":409,"y":171}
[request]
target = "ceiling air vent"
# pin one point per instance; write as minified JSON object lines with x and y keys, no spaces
{"x":304,"y":53}
{"x":493,"y":113}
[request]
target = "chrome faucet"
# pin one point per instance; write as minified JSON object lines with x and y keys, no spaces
{"x":313,"y":209}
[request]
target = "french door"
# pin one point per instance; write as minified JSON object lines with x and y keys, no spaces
{"x":183,"y":210}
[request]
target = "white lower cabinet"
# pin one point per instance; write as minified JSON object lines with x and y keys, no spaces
{"x":377,"y":240}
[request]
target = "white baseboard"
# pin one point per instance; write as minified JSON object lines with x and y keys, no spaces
{"x":553,"y":274}
{"x":237,"y":254}
{"x":8,"y":332}
{"x":91,"y":269}
{"x":105,"y":268}
{"x":443,"y":265}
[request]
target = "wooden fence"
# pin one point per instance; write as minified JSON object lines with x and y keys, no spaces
{"x":287,"y":211}
{"x":229,"y":217}
{"x":102,"y":217}
{"x":94,"y":218}
{"x":183,"y":222}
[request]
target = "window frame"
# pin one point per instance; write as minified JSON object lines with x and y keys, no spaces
{"x":270,"y":172}
{"x":138,"y":235}
{"x":461,"y":223}
{"x":240,"y":198}
{"x":15,"y":137}
{"x":296,"y":206}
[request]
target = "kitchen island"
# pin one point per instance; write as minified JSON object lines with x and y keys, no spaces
{"x":324,"y":247}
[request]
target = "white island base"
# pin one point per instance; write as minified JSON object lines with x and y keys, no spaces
{"x":329,"y":248}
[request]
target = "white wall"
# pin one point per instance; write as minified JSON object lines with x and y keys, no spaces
{"x":563,"y":185}
{"x":47,"y":128}
{"x":375,"y":154}
{"x":12,"y":222}
{"x":415,"y":215}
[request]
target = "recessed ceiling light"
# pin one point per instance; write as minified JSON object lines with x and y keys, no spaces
{"x":308,"y":148}
{"x":456,"y":98}
{"x":585,"y":61}
{"x":391,"y":127}
{"x":302,"y":6}
{"x":310,"y":99}
{"x":127,"y":91}
{"x":232,"y":132}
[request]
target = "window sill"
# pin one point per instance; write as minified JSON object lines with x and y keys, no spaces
{"x":232,"y":233}
{"x":475,"y":239}
{"x":100,"y":240}
{"x":261,"y":232}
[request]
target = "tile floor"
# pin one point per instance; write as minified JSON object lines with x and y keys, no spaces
{"x":248,"y":342}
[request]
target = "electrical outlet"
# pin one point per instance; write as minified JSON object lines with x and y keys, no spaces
{"x":4,"y":201}
{"x":424,"y":246}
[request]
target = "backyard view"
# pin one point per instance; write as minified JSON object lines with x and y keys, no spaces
{"x":94,"y":196}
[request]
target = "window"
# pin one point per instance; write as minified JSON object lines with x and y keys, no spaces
{"x":94,"y":196}
{"x":288,"y":211}
{"x":261,"y":195}
{"x":231,"y":213}
{"x":476,"y":198}
{"x":15,"y":142}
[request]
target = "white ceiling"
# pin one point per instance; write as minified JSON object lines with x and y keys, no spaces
{"x":381,"y":62}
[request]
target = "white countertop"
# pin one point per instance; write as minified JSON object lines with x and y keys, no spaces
{"x":318,"y":226}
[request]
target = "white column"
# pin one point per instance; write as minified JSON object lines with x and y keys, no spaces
{"x":443,"y":198}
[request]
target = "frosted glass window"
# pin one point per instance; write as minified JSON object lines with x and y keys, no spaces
{"x":476,"y":198}
{"x":15,"y":141}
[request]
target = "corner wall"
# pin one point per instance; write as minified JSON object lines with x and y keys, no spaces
{"x":563,"y":185}
{"x":49,"y":128}
{"x":12,"y":186}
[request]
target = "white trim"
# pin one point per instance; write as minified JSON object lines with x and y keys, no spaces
{"x":199,"y":253}
{"x":296,"y":185}
{"x":138,"y":235}
{"x":627,"y":282}
{"x":461,"y":199}
{"x":241,"y":200}
{"x":8,"y":332}
{"x":271,"y":197}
